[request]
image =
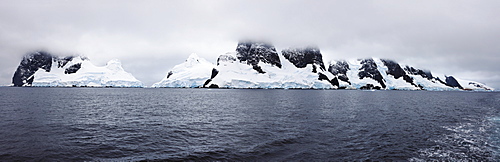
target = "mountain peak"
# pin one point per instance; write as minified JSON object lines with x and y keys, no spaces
{"x":193,"y":56}
{"x":302,"y":56}
{"x":194,"y":59}
{"x":253,"y":52}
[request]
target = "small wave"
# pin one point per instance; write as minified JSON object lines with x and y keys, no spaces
{"x":495,"y":119}
{"x":467,"y":141}
{"x":277,"y":149}
{"x":276,"y":143}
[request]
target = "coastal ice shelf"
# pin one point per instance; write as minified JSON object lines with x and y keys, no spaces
{"x":258,"y":65}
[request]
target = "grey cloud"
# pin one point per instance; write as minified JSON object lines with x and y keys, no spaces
{"x":451,"y":37}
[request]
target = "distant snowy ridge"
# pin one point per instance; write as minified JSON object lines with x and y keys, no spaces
{"x":259,"y":65}
{"x":41,"y":69}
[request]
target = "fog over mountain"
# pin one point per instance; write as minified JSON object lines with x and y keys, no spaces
{"x":458,"y":38}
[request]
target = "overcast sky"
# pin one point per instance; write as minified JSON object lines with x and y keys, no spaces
{"x":455,"y":37}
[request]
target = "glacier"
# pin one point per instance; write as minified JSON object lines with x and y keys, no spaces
{"x":259,"y":65}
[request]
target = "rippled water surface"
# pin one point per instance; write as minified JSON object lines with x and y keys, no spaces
{"x":80,"y":124}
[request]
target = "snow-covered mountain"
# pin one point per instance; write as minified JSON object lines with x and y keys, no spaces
{"x":192,"y":73}
{"x":259,"y":65}
{"x":41,"y":69}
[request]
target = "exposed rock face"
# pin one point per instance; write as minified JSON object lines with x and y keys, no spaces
{"x":226,"y":58}
{"x":255,"y":52}
{"x":369,"y":70}
{"x":29,"y":65}
{"x":24,"y":75}
{"x":395,"y":70}
{"x":449,"y":80}
{"x":333,"y":81}
{"x":370,"y":86}
{"x":73,"y":68}
{"x":213,"y":86}
{"x":46,"y":70}
{"x":423,"y":73}
{"x":479,"y":86}
{"x":452,"y":82}
{"x":300,"y":57}
{"x":169,"y":74}
{"x":61,"y":62}
{"x":214,"y":73}
{"x":340,"y":69}
{"x":371,"y":73}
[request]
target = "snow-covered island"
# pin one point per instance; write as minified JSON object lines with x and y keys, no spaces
{"x":259,"y":65}
{"x":41,"y":69}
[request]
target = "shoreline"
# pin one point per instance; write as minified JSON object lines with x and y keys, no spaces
{"x":114,"y":87}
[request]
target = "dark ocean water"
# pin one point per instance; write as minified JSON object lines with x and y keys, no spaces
{"x":80,"y":124}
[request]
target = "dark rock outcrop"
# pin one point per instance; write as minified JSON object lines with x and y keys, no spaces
{"x":370,"y":87}
{"x":424,"y":73}
{"x":369,"y":70}
{"x":452,"y":82}
{"x":335,"y":82}
{"x":300,"y":57}
{"x":479,"y":86}
{"x":207,"y":82}
{"x":213,"y":86}
{"x":169,"y":74}
{"x":225,"y":58}
{"x":340,"y":69}
{"x":214,"y":73}
{"x":61,"y":62}
{"x":440,"y":81}
{"x":449,"y":81}
{"x":29,"y":65}
{"x":322,"y":76}
{"x":32,"y":62}
{"x":73,"y":68}
{"x":395,"y":70}
{"x":254,"y":52}
{"x":258,"y":69}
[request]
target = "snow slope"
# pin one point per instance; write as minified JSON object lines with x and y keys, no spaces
{"x":418,"y":82}
{"x":88,"y":75}
{"x":235,"y":74}
{"x":190,"y":74}
{"x":306,"y":72}
{"x":197,"y":72}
